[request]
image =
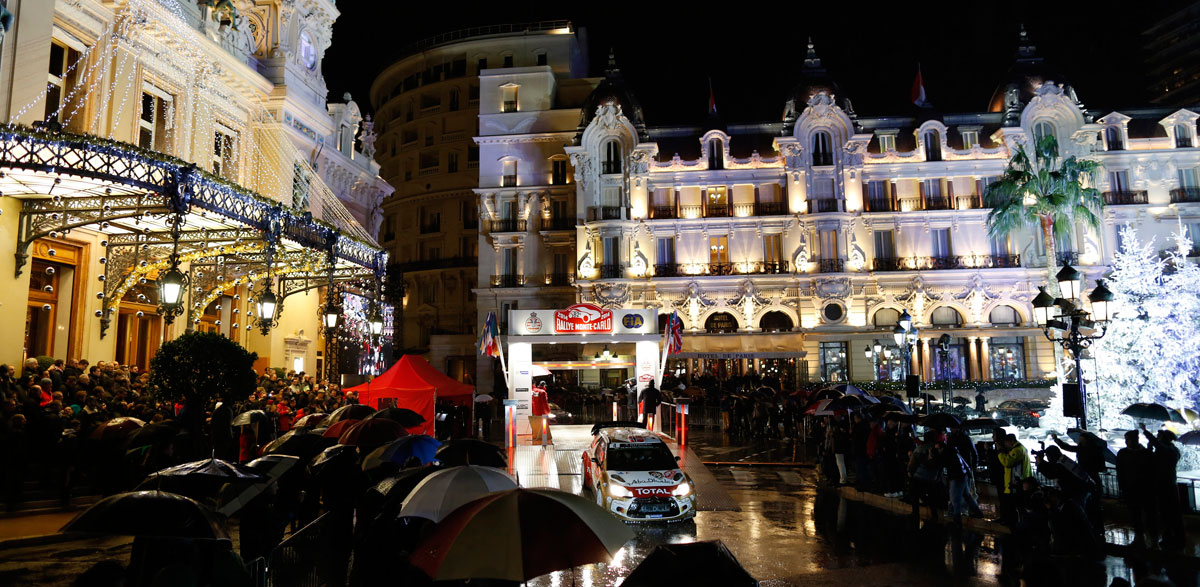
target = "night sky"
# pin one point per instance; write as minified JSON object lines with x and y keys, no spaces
{"x":964,"y":50}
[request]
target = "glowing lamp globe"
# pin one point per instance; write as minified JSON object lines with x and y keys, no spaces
{"x":1069,"y":281}
{"x":1101,"y":299}
{"x":171,"y":286}
{"x":266,"y":305}
{"x":1043,"y":305}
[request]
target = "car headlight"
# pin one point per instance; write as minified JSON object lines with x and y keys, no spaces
{"x":619,"y":491}
{"x":682,"y":489}
{"x":552,"y":416}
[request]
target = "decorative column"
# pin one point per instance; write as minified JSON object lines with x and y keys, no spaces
{"x":985,"y":359}
{"x":927,"y":366}
{"x":971,"y":359}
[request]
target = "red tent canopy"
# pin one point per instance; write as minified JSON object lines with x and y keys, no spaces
{"x":414,"y":384}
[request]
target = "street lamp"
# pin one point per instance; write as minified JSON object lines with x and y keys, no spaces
{"x":376,"y":319}
{"x":943,"y":343}
{"x":265,"y":308}
{"x":173,"y":283}
{"x":905,"y":335}
{"x":1061,"y":320}
{"x":872,"y":354}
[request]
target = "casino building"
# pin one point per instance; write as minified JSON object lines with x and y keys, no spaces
{"x":791,"y":246}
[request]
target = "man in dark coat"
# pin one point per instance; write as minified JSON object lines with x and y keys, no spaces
{"x":650,"y":399}
{"x":1135,"y":469}
{"x":1166,"y":494}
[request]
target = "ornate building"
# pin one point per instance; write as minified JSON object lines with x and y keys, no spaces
{"x":790,"y":246}
{"x":428,"y":114}
{"x":188,"y":135}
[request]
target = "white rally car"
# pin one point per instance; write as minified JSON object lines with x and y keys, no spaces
{"x":633,"y":475}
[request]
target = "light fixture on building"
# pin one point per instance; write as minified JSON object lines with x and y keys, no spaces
{"x":173,"y":282}
{"x":606,"y":354}
{"x":265,"y":306}
{"x":376,"y":319}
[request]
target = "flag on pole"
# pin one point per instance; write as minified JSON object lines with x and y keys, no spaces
{"x":712,"y":98}
{"x":489,"y":338}
{"x":674,"y":334}
{"x":918,"y":89}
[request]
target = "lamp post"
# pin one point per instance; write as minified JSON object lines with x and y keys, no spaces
{"x":872,"y":353}
{"x":905,"y":336}
{"x":944,"y":353}
{"x":1062,"y":318}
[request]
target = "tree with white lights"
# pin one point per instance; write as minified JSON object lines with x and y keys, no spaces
{"x":1151,"y":352}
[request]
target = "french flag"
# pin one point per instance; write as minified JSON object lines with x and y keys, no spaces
{"x":918,"y":90}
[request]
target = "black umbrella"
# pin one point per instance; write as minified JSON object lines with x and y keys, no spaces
{"x":902,"y":417}
{"x":385,"y":497}
{"x":332,"y":460}
{"x":468,"y":451}
{"x":940,"y":420}
{"x":1191,"y":438}
{"x":696,"y":563}
{"x":878,"y":410}
{"x":350,"y":412}
{"x":989,"y":423}
{"x":846,"y":402}
{"x":201,"y":478}
{"x":151,"y":435}
{"x":827,"y":393}
{"x":250,"y":417}
{"x":405,"y":417}
{"x":303,"y":443}
{"x":149,"y":513}
{"x":1159,"y":412}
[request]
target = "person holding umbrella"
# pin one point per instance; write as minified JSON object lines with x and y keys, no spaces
{"x":1164,"y":459}
{"x":1135,"y":468}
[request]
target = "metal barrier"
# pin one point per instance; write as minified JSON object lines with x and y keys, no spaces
{"x":318,"y":555}
{"x":1189,"y":489}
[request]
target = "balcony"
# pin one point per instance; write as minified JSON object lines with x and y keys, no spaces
{"x":611,"y":271}
{"x":880,"y":205}
{"x":947,"y":262}
{"x":508,"y":225}
{"x":559,"y":223}
{"x":610,"y":167}
{"x":508,"y":181}
{"x":830,"y":266}
{"x":720,"y":269}
{"x":973,"y":202}
{"x":612,"y":213}
{"x":450,"y":263}
{"x":770,"y":209}
{"x":668,"y":270}
{"x":1062,"y":258}
{"x":1179,"y":195}
{"x":717,"y":211}
{"x":509,"y":106}
{"x":771,"y":267}
{"x":559,"y":279}
{"x":431,"y":227}
{"x":1125,"y":198}
{"x":822,"y":205}
{"x":508,"y":280}
{"x":661,"y":212}
{"x":937,"y":203}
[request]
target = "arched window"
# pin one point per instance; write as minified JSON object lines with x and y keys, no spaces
{"x":1183,"y":136}
{"x":612,"y":156}
{"x":716,"y":154}
{"x":886,"y":318}
{"x":1112,"y":139}
{"x":822,"y":148}
{"x":933,"y":145}
{"x":1004,"y":316}
{"x":946,"y":316}
{"x":776,"y":322}
{"x":1043,"y":129}
{"x":721,"y":323}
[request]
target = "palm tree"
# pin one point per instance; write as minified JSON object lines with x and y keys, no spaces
{"x":1043,"y":191}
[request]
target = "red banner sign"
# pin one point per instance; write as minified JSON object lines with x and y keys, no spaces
{"x":583,"y":318}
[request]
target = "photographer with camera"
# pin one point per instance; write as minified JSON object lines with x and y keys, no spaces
{"x":1074,"y":483}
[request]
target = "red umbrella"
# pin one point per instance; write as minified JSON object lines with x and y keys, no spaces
{"x":310,"y":420}
{"x":373,"y":432}
{"x":117,"y":428}
{"x":336,"y":430}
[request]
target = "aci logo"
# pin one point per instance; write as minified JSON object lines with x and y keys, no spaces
{"x":632,"y":321}
{"x":533,"y":324}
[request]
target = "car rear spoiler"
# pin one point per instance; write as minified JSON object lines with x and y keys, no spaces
{"x":596,"y":428}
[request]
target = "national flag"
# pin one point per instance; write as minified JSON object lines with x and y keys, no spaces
{"x":712,"y":98}
{"x":489,"y":338}
{"x":674,"y":334}
{"x":918,"y":89}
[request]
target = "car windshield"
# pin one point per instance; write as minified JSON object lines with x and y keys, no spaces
{"x":650,"y":458}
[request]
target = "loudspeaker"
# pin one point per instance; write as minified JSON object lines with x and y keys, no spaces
{"x":912,"y":386}
{"x":1072,"y":402}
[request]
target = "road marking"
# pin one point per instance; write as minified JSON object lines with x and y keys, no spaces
{"x":742,"y":477}
{"x":791,"y":477}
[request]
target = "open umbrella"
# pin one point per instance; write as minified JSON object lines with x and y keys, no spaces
{"x":695,"y":563}
{"x":538,"y":371}
{"x":199,"y":479}
{"x":1191,"y":438}
{"x":1157,"y":412}
{"x":350,"y":412}
{"x":1076,"y":434}
{"x":372,"y":432}
{"x":826,"y":393}
{"x":845,"y":389}
{"x":546,"y":531}
{"x":878,"y":410}
{"x":398,"y":451}
{"x":1189,"y":415}
{"x":940,"y":420}
{"x":117,"y":428}
{"x":332,"y":459}
{"x":336,"y":429}
{"x":820,"y":408}
{"x":469,"y":451}
{"x":902,"y":417}
{"x":149,"y":513}
{"x":443,"y":492}
{"x":387,"y":496}
{"x":405,"y":417}
{"x":895,"y":401}
{"x":302,"y":443}
{"x":846,"y":402}
{"x":310,"y":421}
{"x":483,"y":398}
{"x":273,"y":466}
{"x":156,"y":434}
{"x":250,"y":417}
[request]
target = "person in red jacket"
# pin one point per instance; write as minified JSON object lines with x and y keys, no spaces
{"x":285,"y":416}
{"x":540,"y":406}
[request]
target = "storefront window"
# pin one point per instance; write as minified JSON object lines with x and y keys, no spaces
{"x":834,"y":361}
{"x":1007,"y":358}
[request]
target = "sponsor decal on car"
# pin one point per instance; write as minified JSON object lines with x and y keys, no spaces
{"x":652,"y":491}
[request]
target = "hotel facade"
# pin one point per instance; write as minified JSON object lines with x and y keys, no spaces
{"x":790,"y":247}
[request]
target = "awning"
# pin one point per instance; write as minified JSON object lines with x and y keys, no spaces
{"x":784,"y":345}
{"x":764,"y":355}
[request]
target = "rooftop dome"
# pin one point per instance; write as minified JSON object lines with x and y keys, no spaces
{"x":612,"y":89}
{"x":814,"y":79}
{"x":1027,"y":73}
